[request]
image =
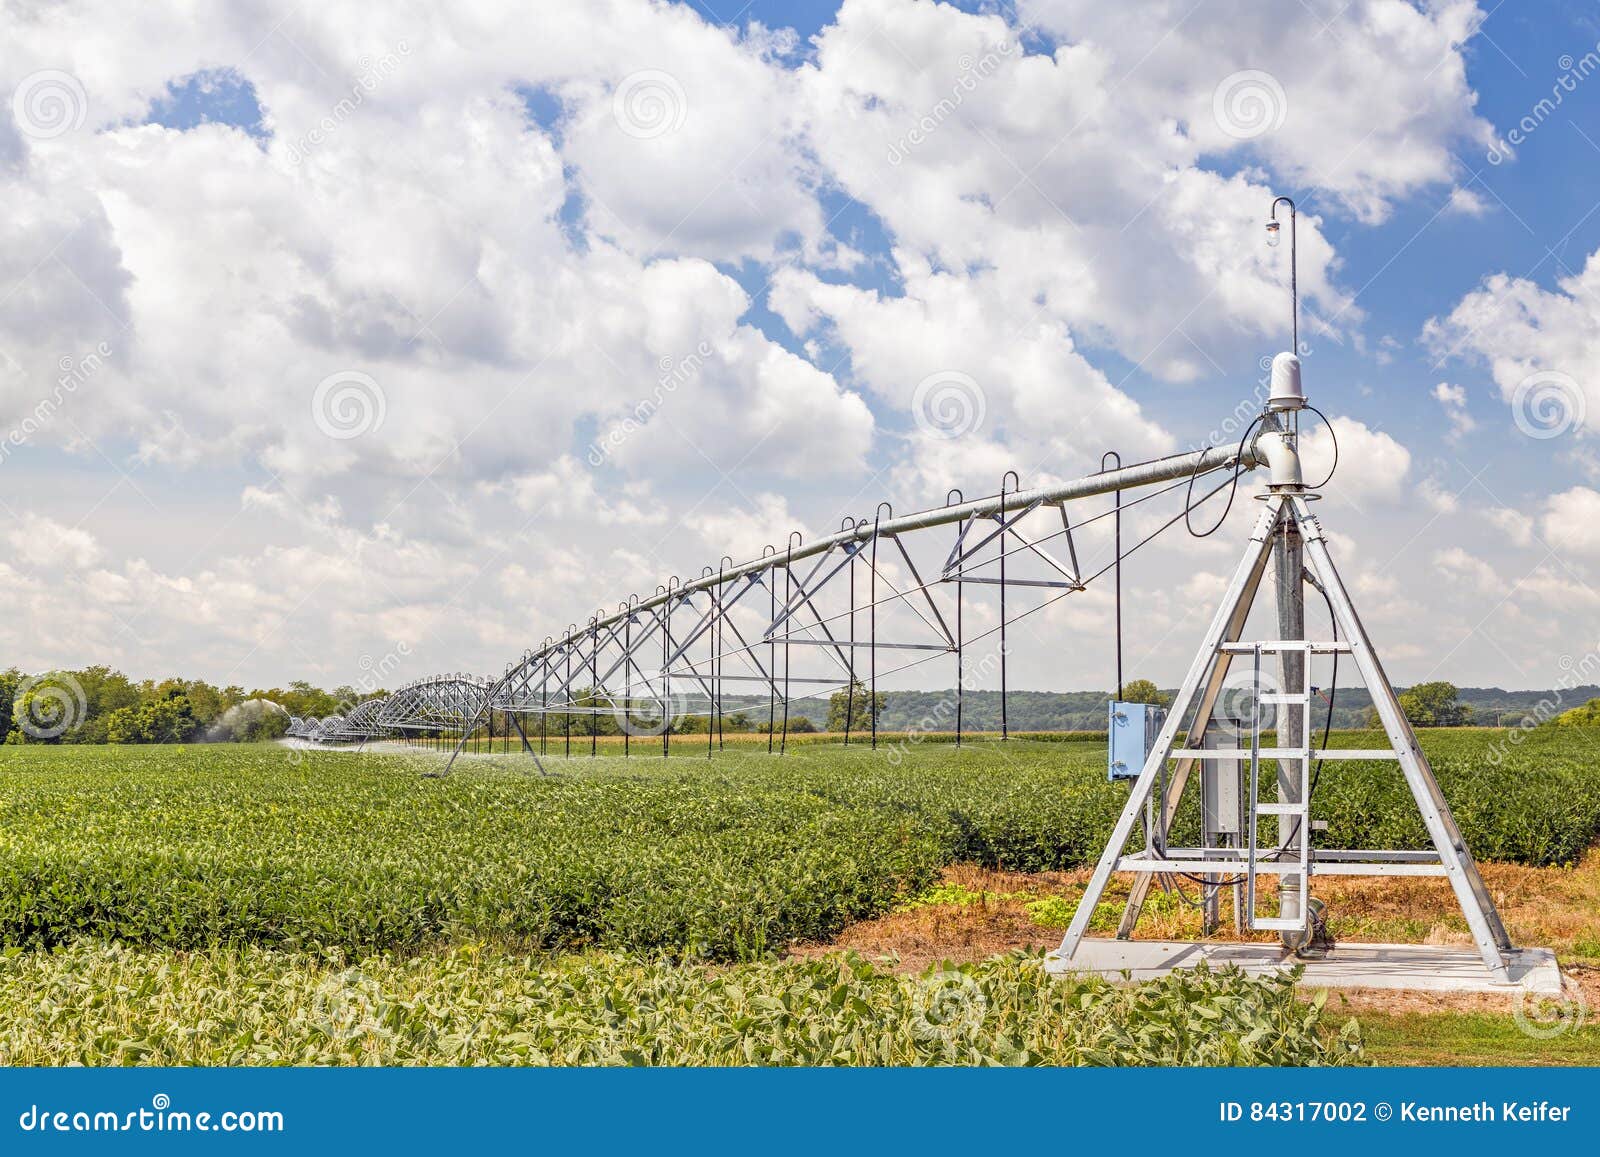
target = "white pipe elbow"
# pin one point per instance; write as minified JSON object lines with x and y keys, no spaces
{"x":1282,"y":455}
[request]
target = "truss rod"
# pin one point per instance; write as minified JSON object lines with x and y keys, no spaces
{"x":1166,"y":469}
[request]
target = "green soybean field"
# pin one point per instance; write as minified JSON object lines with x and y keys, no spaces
{"x":239,"y":904}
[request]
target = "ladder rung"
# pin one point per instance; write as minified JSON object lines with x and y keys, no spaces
{"x":1288,"y":699}
{"x":1275,"y":924}
{"x":1285,"y":645}
{"x":1278,"y":867}
{"x":1240,"y":753}
{"x":1342,"y":868}
{"x":1280,"y":809}
{"x":1355,"y":753}
{"x":1323,"y":862}
{"x":1216,"y":867}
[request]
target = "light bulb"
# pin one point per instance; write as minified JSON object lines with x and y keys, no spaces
{"x":1272,"y":233}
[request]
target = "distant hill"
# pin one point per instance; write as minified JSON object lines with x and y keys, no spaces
{"x":1086,"y":710}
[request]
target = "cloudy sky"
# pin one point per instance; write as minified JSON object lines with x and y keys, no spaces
{"x":325,"y":328}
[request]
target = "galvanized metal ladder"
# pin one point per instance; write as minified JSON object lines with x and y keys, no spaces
{"x":1296,"y":842}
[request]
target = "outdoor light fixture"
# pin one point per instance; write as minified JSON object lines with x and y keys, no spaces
{"x":1287,"y":393}
{"x":1294,"y":292}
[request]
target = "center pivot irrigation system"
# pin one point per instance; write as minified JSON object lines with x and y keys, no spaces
{"x":844,"y":611}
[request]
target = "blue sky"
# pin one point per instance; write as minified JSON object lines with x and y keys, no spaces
{"x":1542,"y":225}
{"x":469,"y":230}
{"x":1411,"y":267}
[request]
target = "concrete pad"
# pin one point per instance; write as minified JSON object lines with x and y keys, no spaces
{"x":1418,"y":967}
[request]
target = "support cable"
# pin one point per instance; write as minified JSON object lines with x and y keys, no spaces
{"x":1237,"y":470}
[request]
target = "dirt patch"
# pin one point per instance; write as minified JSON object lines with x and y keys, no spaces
{"x":975,"y":912}
{"x":991,"y":916}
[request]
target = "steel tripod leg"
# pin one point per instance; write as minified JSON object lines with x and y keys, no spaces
{"x":1245,"y":580}
{"x":1476,"y":903}
{"x":1144,"y":881}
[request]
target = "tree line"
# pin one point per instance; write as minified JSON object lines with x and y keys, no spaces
{"x":97,"y":704}
{"x":100,"y":705}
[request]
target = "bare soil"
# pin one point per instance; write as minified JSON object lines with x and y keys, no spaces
{"x":988,"y":912}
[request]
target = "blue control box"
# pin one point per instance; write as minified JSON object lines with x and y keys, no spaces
{"x":1131,"y":731}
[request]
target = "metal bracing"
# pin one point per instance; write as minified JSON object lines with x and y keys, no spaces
{"x":438,"y":703}
{"x":1286,"y":854}
{"x":361,"y":722}
{"x":1478,"y":906}
{"x":364,"y":719}
{"x":1177,"y":467}
{"x":325,"y":730}
{"x":812,"y":619}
